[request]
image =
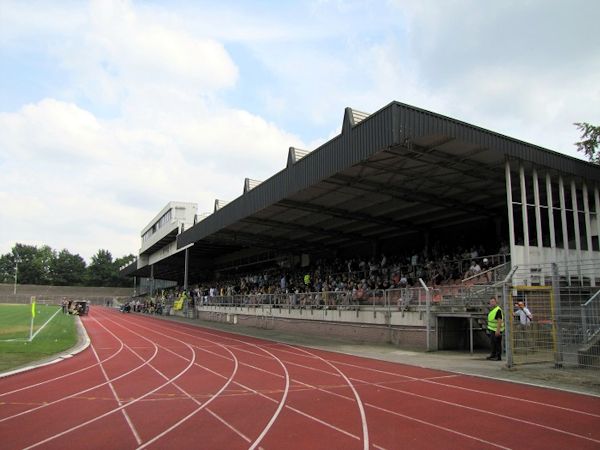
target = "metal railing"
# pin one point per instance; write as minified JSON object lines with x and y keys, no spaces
{"x":590,"y":318}
{"x":565,"y":309}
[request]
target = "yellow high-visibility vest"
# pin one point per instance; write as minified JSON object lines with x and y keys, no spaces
{"x":492,"y":323}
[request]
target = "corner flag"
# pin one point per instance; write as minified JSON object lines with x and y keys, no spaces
{"x":32,"y":317}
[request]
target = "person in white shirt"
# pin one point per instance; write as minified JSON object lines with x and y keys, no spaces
{"x":523,"y":331}
{"x":525,"y":316}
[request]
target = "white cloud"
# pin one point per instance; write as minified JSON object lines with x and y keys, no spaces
{"x":151,"y":102}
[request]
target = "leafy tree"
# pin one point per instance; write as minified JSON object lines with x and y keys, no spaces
{"x":120,"y":262}
{"x":101,"y":271}
{"x":67,"y":269}
{"x":7,"y":268}
{"x":30,"y":269}
{"x":42,"y":261}
{"x":44,"y":265}
{"x":590,"y":141}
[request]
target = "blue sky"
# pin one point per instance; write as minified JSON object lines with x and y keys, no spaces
{"x":110,"y":109}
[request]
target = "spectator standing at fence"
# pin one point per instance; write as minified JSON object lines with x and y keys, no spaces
{"x":523,"y":337}
{"x":495,"y":327}
{"x":525,"y":316}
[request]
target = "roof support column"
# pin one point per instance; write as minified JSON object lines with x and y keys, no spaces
{"x":509,"y":205}
{"x":185,"y":274}
{"x":588,"y":222}
{"x":577,"y":232}
{"x":151,"y":280}
{"x":538,"y":214}
{"x":524,"y":214}
{"x":550,"y":204}
{"x":588,"y":226}
{"x":563,"y":217}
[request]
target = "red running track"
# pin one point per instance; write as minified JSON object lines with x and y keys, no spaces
{"x":150,"y":383}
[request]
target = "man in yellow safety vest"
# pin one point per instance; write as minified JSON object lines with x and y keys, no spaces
{"x":495,"y":326}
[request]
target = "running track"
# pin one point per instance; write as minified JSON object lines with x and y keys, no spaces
{"x":150,"y":383}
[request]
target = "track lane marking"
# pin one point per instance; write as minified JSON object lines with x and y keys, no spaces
{"x":306,"y":415}
{"x":76,"y":393}
{"x":191,"y":397}
{"x":80,"y":425}
{"x":281,"y":402}
{"x":472,"y":408}
{"x":62,"y":376}
{"x":477,"y":391}
{"x":125,"y":415}
{"x":359,"y":403}
{"x":449,"y":430}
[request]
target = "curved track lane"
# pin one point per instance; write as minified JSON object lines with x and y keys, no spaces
{"x":150,"y":383}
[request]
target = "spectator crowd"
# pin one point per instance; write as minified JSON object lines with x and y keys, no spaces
{"x":437,"y":266}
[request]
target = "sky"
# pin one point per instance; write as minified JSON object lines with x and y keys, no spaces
{"x":110,"y":109}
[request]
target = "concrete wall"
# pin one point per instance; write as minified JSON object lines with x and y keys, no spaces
{"x":405,"y":329}
{"x":54,"y":294}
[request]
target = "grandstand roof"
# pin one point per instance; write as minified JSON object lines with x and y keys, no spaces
{"x":399,"y":171}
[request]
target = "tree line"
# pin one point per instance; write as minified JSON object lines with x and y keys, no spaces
{"x":45,"y":266}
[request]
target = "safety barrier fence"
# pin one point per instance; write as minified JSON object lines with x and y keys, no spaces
{"x":554,"y":318}
{"x":363,"y":300}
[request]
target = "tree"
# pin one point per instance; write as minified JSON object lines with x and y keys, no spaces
{"x":120,"y":262}
{"x":67,"y":269}
{"x":101,"y":270}
{"x":42,"y":261}
{"x":7,"y":268}
{"x":31,"y":268}
{"x":590,"y":141}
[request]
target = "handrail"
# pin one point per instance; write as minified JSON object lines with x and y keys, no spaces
{"x":591,"y":299}
{"x":590,"y":328}
{"x":481,"y":273}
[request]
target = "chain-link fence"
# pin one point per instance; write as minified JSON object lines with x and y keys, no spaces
{"x":553,"y":313}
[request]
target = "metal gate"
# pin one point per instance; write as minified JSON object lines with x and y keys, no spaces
{"x":532,"y":340}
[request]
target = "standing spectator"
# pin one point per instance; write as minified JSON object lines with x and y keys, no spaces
{"x":522,"y":338}
{"x":495,"y":327}
{"x":525,"y":316}
{"x":485,"y":266}
{"x":283,"y":283}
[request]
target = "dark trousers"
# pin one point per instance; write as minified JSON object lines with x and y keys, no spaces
{"x":496,"y":344}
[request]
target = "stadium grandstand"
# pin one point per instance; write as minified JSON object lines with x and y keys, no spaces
{"x":405,"y":224}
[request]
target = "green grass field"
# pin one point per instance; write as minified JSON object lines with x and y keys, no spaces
{"x":58,"y":335}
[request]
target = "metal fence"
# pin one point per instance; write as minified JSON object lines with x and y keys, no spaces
{"x":376,"y":299}
{"x":564,"y":322}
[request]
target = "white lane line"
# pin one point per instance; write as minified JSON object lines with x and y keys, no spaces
{"x":279,"y":406}
{"x":83,"y":424}
{"x":189,"y":396}
{"x":449,"y":430}
{"x":77,"y":393}
{"x":202,"y":406}
{"x":477,"y":391}
{"x":366,"y":404}
{"x":297,"y":411}
{"x":365,"y":428}
{"x":464,"y":406}
{"x":471,"y":408}
{"x":281,"y":402}
{"x":30,"y":386}
{"x":125,"y":415}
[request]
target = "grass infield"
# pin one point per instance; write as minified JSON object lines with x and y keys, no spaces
{"x":58,"y":335}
